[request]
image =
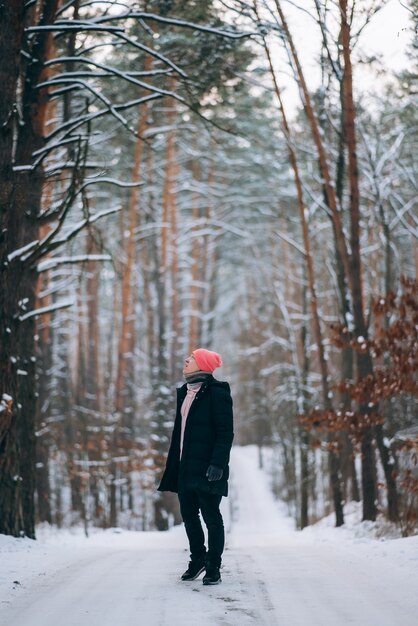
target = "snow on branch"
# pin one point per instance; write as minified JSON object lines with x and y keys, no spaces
{"x":153,"y":53}
{"x":99,"y":95}
{"x":94,"y":24}
{"x":21,"y":251}
{"x":399,"y":216}
{"x":173,"y":22}
{"x":81,"y":258}
{"x":97,"y":216}
{"x":71,"y":26}
{"x":50,"y":242}
{"x":110,"y":108}
{"x":74,"y":123}
{"x":110,"y":181}
{"x":108,"y":68}
{"x":47,"y":309}
{"x":291,"y":242}
{"x":42,"y":152}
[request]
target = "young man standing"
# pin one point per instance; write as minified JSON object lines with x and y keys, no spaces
{"x":197,"y":463}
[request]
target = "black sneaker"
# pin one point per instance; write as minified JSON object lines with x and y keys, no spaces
{"x":194,"y":570}
{"x":212,"y":576}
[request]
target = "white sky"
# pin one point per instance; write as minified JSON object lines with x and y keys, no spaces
{"x":389,"y":33}
{"x":387,"y":36}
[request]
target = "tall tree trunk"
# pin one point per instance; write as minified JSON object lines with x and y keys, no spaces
{"x":10,"y":46}
{"x":364,"y":361}
{"x":195,"y":258}
{"x":76,"y":427}
{"x":316,"y":324}
{"x":93,"y":397}
{"x":170,"y":239}
{"x":151,"y":268}
{"x":170,"y":359}
{"x":44,"y":364}
{"x":44,"y":343}
{"x":127,"y":308}
{"x":303,"y":435}
{"x":210,"y":259}
{"x":347,"y":362}
{"x":352,"y":266}
{"x":20,"y":203}
{"x":127,"y":287}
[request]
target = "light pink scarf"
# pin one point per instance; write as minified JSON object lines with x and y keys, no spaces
{"x":192,"y":390}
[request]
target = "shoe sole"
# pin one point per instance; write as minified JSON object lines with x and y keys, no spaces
{"x":185,"y":580}
{"x":216,"y":582}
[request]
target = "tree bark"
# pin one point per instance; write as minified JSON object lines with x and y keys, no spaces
{"x":127,"y":287}
{"x":43,"y":366}
{"x":349,"y":474}
{"x":351,"y":263}
{"x":316,"y":324}
{"x":170,"y":244}
{"x":20,"y":204}
{"x":195,"y":259}
{"x":364,"y":361}
{"x":304,"y":436}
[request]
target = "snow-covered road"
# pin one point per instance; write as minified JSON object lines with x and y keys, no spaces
{"x":271,"y":575}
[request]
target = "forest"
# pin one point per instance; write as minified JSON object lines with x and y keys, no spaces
{"x":178,"y":174}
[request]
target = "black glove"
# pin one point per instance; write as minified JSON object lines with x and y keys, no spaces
{"x":214,"y":473}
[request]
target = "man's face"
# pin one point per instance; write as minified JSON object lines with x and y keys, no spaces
{"x":190,"y":365}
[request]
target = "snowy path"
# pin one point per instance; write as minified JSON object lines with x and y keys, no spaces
{"x":272,"y":575}
{"x":307,"y":579}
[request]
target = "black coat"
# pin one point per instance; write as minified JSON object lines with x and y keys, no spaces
{"x":207,"y":440}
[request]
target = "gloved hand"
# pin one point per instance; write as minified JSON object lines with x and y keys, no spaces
{"x":214,"y":473}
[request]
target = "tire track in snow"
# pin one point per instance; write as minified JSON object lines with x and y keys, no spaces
{"x":307,"y":581}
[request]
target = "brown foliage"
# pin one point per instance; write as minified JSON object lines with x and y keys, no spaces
{"x":394,"y":348}
{"x":408,"y":486}
{"x":5,"y":417}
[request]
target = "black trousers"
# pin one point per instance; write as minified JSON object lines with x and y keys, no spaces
{"x":191,"y":503}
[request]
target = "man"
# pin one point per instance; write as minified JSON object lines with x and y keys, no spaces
{"x":197,"y":463}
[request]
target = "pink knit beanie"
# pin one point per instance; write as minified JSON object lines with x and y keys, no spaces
{"x":207,"y":360}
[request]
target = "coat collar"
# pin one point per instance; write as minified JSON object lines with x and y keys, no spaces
{"x":181,"y":391}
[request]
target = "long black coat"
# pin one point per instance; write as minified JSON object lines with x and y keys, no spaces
{"x":207,"y":440}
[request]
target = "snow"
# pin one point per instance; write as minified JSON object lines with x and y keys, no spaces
{"x":80,"y":258}
{"x":20,"y":251}
{"x":174,"y":21}
{"x":47,"y":309}
{"x":272,"y":574}
{"x":22,"y":168}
